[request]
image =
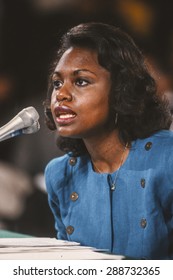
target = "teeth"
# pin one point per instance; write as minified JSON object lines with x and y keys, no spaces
{"x":66,"y":116}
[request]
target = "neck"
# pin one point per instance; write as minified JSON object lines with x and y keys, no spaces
{"x":106,"y":152}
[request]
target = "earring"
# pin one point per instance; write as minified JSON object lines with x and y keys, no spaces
{"x":116,"y":119}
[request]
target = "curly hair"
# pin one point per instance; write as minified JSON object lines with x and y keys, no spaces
{"x":141,"y":112}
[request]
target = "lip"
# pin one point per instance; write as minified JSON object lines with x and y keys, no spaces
{"x":64,"y":115}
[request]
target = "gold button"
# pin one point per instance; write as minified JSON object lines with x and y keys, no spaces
{"x":74,"y":196}
{"x":72,"y":161}
{"x":143,"y":183}
{"x":143,"y":223}
{"x":148,"y":146}
{"x":69,"y":229}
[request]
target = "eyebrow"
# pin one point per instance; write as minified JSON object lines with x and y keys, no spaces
{"x":76,"y":72}
{"x":83,"y":70}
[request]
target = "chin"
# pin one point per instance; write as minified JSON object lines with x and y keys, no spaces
{"x":62,"y":131}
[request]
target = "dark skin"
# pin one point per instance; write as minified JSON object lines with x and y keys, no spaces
{"x":80,"y":107}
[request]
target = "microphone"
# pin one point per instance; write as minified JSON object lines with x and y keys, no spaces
{"x":25,"y":122}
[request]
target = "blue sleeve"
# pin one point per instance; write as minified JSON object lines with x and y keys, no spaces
{"x":54,"y":204}
{"x":167,"y":196}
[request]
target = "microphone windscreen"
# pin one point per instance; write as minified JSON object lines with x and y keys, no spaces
{"x":31,"y":129}
{"x":28,"y":115}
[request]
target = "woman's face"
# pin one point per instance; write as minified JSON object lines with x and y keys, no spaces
{"x":80,"y":98}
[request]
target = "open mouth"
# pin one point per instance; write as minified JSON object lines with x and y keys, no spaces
{"x":63,"y":113}
{"x":66,"y":116}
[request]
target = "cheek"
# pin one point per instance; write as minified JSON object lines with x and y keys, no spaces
{"x":95,"y":109}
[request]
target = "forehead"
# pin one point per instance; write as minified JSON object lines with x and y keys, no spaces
{"x":77,"y":58}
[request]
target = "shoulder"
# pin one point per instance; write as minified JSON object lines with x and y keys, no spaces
{"x":155,"y":151}
{"x":60,"y":166}
{"x":163,"y":136}
{"x":161,"y":141}
{"x":59,"y":162}
{"x":56,"y":170}
{"x":56,"y":163}
{"x":59,"y":170}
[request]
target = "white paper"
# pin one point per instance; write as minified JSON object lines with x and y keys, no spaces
{"x":49,"y":248}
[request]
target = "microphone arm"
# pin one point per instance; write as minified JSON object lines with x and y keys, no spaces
{"x":28,"y":130}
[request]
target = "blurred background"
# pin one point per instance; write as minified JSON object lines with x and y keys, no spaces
{"x":29,"y":34}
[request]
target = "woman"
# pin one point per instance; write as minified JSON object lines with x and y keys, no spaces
{"x":113,"y":188}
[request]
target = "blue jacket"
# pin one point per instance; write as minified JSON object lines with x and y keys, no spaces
{"x":136,"y":219}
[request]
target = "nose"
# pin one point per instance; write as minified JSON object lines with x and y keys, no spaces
{"x":64,"y":94}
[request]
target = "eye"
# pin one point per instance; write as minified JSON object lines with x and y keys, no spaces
{"x":82,"y":82}
{"x":57,"y":84}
